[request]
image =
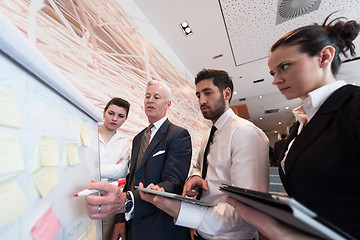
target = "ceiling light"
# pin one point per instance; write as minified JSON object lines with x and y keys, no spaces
{"x":271,"y":111}
{"x":286,"y":108}
{"x":261,"y":118}
{"x":217,"y":56}
{"x":184,"y":24}
{"x":279,"y":123}
{"x":275,"y":131}
{"x":186,"y":28}
{"x":235,"y":93}
{"x":260,"y":96}
{"x":257,"y":81}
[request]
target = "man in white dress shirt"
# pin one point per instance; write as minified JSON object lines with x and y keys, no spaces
{"x":238,"y":156}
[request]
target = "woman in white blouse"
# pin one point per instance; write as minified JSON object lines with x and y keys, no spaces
{"x":114,"y":149}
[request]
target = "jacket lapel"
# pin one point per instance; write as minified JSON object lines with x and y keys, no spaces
{"x":316,"y":125}
{"x":305,"y":138}
{"x":159,"y":136}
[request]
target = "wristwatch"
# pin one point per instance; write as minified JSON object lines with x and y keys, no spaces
{"x":128,"y":203}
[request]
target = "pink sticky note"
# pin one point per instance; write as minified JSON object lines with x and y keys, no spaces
{"x":47,"y":227}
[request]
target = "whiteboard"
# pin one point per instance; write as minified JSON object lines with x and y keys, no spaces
{"x":44,"y":105}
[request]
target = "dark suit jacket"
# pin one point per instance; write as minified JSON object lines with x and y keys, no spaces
{"x":168,"y":170}
{"x":278,"y":149}
{"x":323,"y":165}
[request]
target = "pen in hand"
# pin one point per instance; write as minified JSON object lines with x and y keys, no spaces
{"x":86,"y":192}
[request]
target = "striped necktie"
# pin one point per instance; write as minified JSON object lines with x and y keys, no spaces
{"x":145,"y":140}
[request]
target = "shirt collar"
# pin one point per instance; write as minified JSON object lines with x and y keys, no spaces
{"x":160,"y":122}
{"x":115,"y":136}
{"x":220,"y":123}
{"x":316,"y":98}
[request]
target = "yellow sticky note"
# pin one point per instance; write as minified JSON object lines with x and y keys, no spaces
{"x":45,"y":179}
{"x":12,"y":201}
{"x":72,"y":153}
{"x":84,"y":135}
{"x":9,"y":112}
{"x":10,"y":155}
{"x":48,"y":151}
{"x":92,"y":231}
{"x":83,"y":237}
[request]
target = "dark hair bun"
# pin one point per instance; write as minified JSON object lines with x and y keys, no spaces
{"x":344,"y":32}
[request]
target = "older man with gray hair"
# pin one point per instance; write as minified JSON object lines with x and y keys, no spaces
{"x":161,"y":154}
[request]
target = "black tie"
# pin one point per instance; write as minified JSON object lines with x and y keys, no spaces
{"x":205,"y":163}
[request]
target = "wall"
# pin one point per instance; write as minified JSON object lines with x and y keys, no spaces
{"x":96,"y":45}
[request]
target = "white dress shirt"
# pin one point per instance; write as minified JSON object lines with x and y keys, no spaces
{"x":156,"y":127}
{"x":118,"y":147}
{"x":238,"y":156}
{"x":306,"y":111}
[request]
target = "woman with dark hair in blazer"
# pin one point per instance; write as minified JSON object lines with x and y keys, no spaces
{"x":320,"y":167}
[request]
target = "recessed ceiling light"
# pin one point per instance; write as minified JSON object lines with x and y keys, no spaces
{"x":235,"y":93}
{"x":261,"y":118}
{"x":260,"y":97}
{"x":275,"y":131}
{"x":279,"y":123}
{"x":184,"y":24}
{"x":186,"y":28}
{"x":286,"y":108}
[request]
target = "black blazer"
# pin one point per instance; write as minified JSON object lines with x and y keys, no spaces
{"x":166,"y":162}
{"x":323,"y":165}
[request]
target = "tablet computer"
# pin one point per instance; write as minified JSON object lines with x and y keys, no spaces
{"x":287,"y":210}
{"x":175,"y":196}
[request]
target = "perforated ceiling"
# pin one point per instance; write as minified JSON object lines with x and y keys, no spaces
{"x":251,"y":27}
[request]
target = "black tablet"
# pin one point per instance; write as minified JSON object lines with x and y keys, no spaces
{"x":175,"y":196}
{"x":287,"y":210}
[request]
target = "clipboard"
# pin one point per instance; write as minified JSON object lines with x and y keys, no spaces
{"x":176,"y":196}
{"x":288,"y":211}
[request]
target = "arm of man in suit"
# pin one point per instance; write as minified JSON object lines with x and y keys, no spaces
{"x":177,"y":164}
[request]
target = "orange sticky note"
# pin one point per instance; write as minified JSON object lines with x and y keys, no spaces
{"x":47,"y":227}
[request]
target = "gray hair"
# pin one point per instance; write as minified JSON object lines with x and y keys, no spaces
{"x":167,"y":93}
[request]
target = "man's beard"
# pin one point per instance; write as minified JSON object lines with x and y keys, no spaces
{"x":219,"y":109}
